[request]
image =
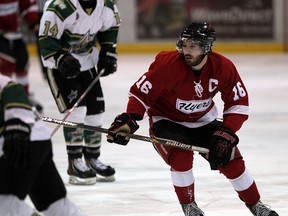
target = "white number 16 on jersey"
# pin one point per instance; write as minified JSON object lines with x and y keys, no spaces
{"x":145,"y":87}
{"x":238,"y":91}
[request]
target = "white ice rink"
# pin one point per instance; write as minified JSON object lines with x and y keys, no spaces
{"x":143,"y":186}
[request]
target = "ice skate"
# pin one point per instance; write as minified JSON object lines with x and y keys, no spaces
{"x":260,"y":209}
{"x":191,"y":209}
{"x":104,"y":173}
{"x":79,"y":173}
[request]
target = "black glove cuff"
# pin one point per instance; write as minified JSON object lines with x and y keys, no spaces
{"x":221,"y":144}
{"x":68,"y":66}
{"x":227,"y":135}
{"x":135,"y":116}
{"x":58,"y":56}
{"x":13,"y":125}
{"x":60,"y":59}
{"x":108,"y":51}
{"x":128,"y":119}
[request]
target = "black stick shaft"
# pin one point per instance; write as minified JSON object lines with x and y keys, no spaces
{"x":132,"y":136}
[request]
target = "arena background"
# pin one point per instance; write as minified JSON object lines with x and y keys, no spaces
{"x":149,"y":26}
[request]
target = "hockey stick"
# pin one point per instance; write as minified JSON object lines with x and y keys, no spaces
{"x":133,"y":136}
{"x":78,"y":101}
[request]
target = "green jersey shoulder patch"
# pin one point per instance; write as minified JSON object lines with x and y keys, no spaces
{"x":62,"y":8}
{"x":110,"y":4}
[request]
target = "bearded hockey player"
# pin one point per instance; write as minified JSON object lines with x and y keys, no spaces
{"x":177,"y":94}
{"x":69,"y":32}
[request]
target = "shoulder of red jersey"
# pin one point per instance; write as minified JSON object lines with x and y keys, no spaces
{"x":220,"y":59}
{"x":167,"y":66}
{"x":221,"y":65}
{"x":167,"y":57}
{"x":166,"y":61}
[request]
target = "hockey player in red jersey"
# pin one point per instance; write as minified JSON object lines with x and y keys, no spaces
{"x":177,"y":94}
{"x":14,"y":59}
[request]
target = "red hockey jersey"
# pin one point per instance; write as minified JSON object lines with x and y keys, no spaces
{"x":11,"y":10}
{"x":171,"y":90}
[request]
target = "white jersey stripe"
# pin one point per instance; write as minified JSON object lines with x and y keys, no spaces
{"x":238,"y":109}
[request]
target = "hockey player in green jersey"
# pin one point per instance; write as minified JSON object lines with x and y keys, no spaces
{"x":69,"y":32}
{"x":26,"y":163}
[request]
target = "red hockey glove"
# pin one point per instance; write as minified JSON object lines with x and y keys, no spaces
{"x":68,"y":66}
{"x":17,"y":143}
{"x":221,"y":144}
{"x":107,"y":60}
{"x":123,"y":124}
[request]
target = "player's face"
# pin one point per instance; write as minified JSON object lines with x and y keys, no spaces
{"x":192,"y":52}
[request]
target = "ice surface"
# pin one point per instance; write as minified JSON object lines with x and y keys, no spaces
{"x":143,"y":186}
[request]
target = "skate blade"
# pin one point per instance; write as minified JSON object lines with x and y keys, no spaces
{"x":100,"y":178}
{"x":80,"y":181}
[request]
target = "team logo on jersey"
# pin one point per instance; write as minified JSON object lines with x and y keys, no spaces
{"x":198,"y":88}
{"x":84,"y":44}
{"x":193,"y":106}
{"x":72,"y":95}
